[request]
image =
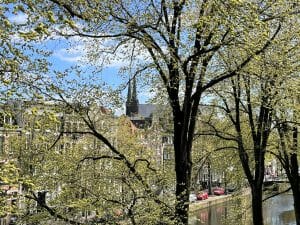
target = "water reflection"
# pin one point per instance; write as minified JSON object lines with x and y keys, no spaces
{"x":277,"y":211}
{"x":280,"y":211}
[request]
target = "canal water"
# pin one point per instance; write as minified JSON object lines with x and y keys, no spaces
{"x":277,"y":211}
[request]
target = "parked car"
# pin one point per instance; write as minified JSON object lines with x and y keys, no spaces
{"x":192,"y":198}
{"x":219,"y":191}
{"x":202,"y":195}
{"x":230,"y":188}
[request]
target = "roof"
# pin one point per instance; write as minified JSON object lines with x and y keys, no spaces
{"x":146,"y":110}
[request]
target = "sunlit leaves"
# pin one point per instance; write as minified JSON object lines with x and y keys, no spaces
{"x":190,"y":45}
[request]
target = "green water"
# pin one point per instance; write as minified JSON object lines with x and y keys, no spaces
{"x":277,"y":211}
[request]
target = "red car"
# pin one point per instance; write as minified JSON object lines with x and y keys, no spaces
{"x":219,"y":191}
{"x":202,"y":195}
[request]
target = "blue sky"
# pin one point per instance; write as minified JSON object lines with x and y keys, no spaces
{"x":67,"y":54}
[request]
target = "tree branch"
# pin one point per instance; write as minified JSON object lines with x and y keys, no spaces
{"x":50,"y":210}
{"x":243,"y":64}
{"x":276,"y":194}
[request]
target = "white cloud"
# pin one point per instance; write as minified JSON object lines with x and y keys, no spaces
{"x":97,"y":53}
{"x":20,"y":18}
{"x":120,"y":111}
{"x":104,"y":52}
{"x":145,"y":95}
{"x":85,"y":50}
{"x":72,"y":55}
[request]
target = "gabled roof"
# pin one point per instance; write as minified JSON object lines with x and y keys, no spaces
{"x":146,"y":110}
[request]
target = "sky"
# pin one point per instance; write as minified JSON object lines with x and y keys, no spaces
{"x":67,"y":54}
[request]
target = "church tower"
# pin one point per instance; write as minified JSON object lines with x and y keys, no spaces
{"x":132,"y":102}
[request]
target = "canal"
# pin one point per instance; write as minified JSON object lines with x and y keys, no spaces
{"x":277,"y":211}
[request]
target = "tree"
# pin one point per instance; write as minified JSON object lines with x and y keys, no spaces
{"x":9,"y":179}
{"x":285,"y":115}
{"x":260,"y":128}
{"x":18,"y":59}
{"x":79,"y":180}
{"x":288,"y":157}
{"x":286,"y":140}
{"x":251,"y":106}
{"x":179,"y":47}
{"x":217,"y":148}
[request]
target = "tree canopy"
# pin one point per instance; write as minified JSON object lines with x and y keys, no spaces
{"x":191,"y":46}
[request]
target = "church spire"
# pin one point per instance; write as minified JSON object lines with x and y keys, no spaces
{"x":129,"y":96}
{"x":132,"y":100}
{"x":134,"y":94}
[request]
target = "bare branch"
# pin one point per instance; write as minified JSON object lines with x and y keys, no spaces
{"x":96,"y":158}
{"x":144,"y":160}
{"x":276,"y":194}
{"x":69,"y":9}
{"x":50,"y":210}
{"x":243,"y":64}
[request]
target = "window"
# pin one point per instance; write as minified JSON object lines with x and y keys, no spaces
{"x":167,"y":154}
{"x":164,"y":139}
{"x":14,"y":121}
{"x":2,"y":118}
{"x":167,"y":140}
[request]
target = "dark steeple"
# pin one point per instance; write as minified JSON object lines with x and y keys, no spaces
{"x":129,"y":96}
{"x":132,"y":101}
{"x":140,"y":114}
{"x":134,"y":94}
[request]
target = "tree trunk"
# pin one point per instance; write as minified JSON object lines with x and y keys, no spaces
{"x":293,"y":178}
{"x":182,"y":193}
{"x":257,"y":212}
{"x":296,"y":196}
{"x":295,"y":173}
{"x":297,"y":209}
{"x":295,"y":185}
{"x":183,"y":181}
{"x":183,"y":170}
{"x":209,"y":178}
